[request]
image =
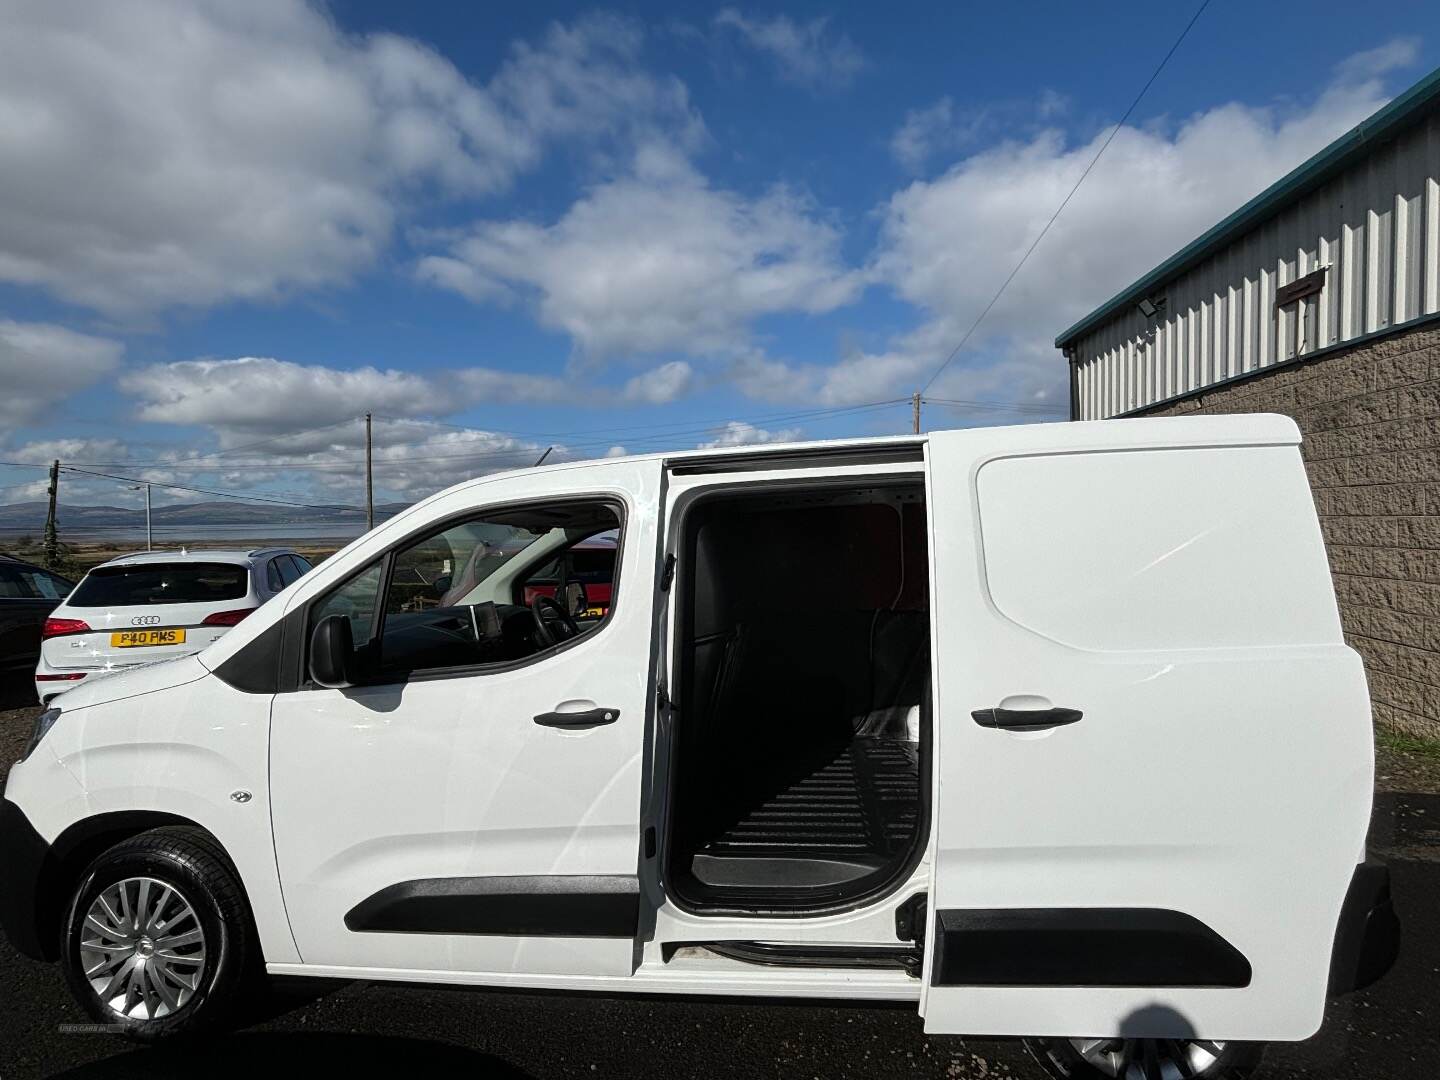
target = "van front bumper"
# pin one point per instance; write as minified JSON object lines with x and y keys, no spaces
{"x":1367,"y":938}
{"x":24,"y":856}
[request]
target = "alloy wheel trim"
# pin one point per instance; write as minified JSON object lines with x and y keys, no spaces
{"x":142,"y":949}
{"x":1149,"y":1059}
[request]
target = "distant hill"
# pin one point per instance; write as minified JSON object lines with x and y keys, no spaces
{"x":15,"y":517}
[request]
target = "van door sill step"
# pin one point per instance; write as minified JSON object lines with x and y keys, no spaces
{"x":775,"y":954}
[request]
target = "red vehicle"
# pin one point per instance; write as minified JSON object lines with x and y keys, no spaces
{"x":590,"y":564}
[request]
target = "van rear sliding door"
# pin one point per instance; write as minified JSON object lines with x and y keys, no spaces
{"x":1153,"y":748}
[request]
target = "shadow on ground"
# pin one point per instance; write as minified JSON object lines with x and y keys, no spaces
{"x":297,"y":1054}
{"x":1389,"y":1030}
{"x":17,"y":691}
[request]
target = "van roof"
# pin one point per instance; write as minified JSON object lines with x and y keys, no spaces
{"x":1156,"y":432}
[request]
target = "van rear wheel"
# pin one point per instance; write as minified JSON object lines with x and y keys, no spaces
{"x":1145,"y":1059}
{"x":159,"y":941}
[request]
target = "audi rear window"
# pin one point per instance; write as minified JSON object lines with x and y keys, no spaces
{"x":161,"y":583}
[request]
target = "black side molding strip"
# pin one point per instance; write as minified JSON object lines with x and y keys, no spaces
{"x":546,"y":905}
{"x":1082,"y":947}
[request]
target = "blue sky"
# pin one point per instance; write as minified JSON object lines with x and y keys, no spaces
{"x":608,"y":229}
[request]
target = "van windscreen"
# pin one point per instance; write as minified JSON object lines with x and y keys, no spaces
{"x":161,"y":583}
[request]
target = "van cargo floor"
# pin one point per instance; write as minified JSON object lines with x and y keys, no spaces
{"x":833,"y":820}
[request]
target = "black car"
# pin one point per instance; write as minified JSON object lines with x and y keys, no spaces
{"x":28,"y":594}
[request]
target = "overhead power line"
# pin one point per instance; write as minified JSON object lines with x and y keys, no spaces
{"x":1034,"y":409}
{"x":26,"y":484}
{"x":679,"y":431}
{"x":206,"y":491}
{"x":1066,"y":201}
{"x":228,"y":450}
{"x":658,"y":434}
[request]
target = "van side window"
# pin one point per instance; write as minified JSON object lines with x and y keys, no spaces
{"x":581,"y":578}
{"x":454,"y":598}
{"x":356,"y":599}
{"x":493,"y":589}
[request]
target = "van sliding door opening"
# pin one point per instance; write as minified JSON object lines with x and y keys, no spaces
{"x":803,"y":723}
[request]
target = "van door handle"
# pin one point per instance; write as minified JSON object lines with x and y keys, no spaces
{"x":1025,"y":719}
{"x":587,"y":719}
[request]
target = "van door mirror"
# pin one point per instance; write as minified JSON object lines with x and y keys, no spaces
{"x":332,"y":652}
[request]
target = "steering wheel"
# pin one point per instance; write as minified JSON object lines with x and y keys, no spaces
{"x":544,"y":608}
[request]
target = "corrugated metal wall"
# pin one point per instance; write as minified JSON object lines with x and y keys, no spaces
{"x":1376,"y":227}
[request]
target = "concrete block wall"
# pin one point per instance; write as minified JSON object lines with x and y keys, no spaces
{"x":1370,"y":416}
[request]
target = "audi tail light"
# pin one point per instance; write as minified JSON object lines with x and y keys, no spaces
{"x":56,"y":627}
{"x":226,"y":618}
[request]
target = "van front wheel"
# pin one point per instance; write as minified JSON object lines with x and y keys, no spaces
{"x":158,"y":942}
{"x":1145,"y":1059}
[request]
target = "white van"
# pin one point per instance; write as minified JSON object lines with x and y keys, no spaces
{"x":1048,"y":730}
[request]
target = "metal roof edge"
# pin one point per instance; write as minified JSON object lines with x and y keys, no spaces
{"x":1386,"y":121}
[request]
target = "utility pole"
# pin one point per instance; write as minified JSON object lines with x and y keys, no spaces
{"x":915,"y":411}
{"x":369,"y":481}
{"x":149,"y":535}
{"x":52,"y":537}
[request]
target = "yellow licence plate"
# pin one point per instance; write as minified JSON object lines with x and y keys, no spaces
{"x":126,"y":639}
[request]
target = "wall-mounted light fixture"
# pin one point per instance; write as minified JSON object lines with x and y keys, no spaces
{"x":1150,"y":305}
{"x":1300,"y":288}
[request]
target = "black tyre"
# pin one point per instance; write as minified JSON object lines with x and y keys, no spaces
{"x":159,"y":940}
{"x":1146,"y":1059}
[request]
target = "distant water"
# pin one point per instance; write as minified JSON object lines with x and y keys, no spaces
{"x":168,"y":534}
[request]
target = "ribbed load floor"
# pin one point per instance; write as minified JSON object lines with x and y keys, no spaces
{"x":849,"y":814}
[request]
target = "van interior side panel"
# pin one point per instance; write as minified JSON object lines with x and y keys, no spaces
{"x":805,"y":673}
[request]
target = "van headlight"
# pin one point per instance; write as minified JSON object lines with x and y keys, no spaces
{"x":43,"y":723}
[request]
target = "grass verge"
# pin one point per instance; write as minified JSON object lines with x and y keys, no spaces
{"x":1408,"y":744}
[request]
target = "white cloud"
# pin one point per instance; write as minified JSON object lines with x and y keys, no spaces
{"x":81,"y":455}
{"x":1393,"y":55}
{"x":740,"y":433}
{"x":805,"y":53}
{"x":253,"y":394}
{"x":947,"y":243}
{"x":413,"y":458}
{"x":249,"y":396}
{"x":41,"y":365}
{"x":476,"y":385}
{"x":930,"y":130}
{"x":661,"y":385}
{"x":658,"y":386}
{"x":164,"y":153}
{"x":757,"y":375}
{"x":657,"y":260}
{"x":945,"y":129}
